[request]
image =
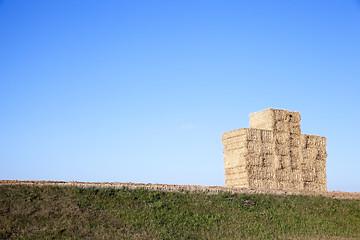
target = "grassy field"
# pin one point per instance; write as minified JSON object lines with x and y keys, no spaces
{"x":53,"y":212}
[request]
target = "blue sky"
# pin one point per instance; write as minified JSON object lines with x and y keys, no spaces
{"x":141,"y":91}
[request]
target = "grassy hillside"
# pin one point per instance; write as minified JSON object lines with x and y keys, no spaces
{"x":45,"y":212}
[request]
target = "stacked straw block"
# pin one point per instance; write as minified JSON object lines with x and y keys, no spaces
{"x":273,"y":154}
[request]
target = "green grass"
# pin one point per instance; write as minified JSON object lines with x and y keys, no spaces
{"x":51,"y":212}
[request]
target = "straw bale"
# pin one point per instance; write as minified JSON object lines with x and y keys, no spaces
{"x":233,"y":140}
{"x":320,"y":173}
{"x":233,"y":177}
{"x":286,"y":116}
{"x":232,"y":173}
{"x":247,"y":133}
{"x":244,"y":134}
{"x":296,"y":175}
{"x":235,"y":170}
{"x":253,"y":160}
{"x":316,"y":141}
{"x":308,"y":164}
{"x":259,"y":160}
{"x":267,"y":136}
{"x":282,"y":137}
{"x":322,"y":154}
{"x":234,"y":136}
{"x":273,"y":119}
{"x":294,"y":163}
{"x":278,"y":163}
{"x":236,"y":146}
{"x":234,"y":133}
{"x":295,"y":158}
{"x":285,"y":185}
{"x":270,"y":184}
{"x":295,"y":141}
{"x":231,"y":161}
{"x":320,"y":166}
{"x":320,"y":163}
{"x":282,"y":162}
{"x":309,"y":176}
{"x":282,"y":149}
{"x":237,"y":183}
{"x":283,"y":174}
{"x":262,"y":184}
{"x":254,"y":147}
{"x":295,"y":130}
{"x":288,"y":128}
{"x":261,"y":173}
{"x":310,"y":154}
{"x":295,"y":152}
{"x":263,"y":120}
{"x":236,"y":153}
{"x":313,"y":186}
{"x":320,"y":180}
{"x":312,"y":141}
{"x":267,"y":160}
{"x":254,"y":134}
{"x":267,"y":148}
{"x":236,"y":180}
{"x":234,"y":164}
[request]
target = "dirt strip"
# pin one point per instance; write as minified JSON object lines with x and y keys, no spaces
{"x":186,"y":188}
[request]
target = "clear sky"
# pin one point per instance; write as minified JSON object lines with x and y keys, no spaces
{"x":141,"y":91}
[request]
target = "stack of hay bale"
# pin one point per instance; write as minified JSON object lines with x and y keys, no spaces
{"x":273,"y":154}
{"x":247,"y":154}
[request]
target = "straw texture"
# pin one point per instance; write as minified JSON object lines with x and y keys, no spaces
{"x":273,"y":154}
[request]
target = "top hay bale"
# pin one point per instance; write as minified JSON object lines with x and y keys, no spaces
{"x":276,"y":120}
